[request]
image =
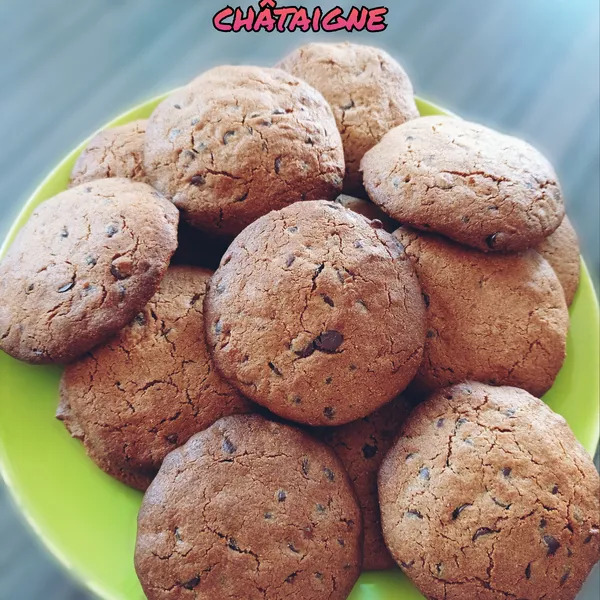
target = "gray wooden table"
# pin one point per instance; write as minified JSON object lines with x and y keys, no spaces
{"x":68,"y":66}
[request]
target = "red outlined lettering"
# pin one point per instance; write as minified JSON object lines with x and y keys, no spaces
{"x":219,"y":18}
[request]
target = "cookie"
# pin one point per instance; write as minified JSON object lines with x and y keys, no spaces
{"x":368,"y":91}
{"x":367,"y":209}
{"x":239,"y":142}
{"x":487,"y":494}
{"x":470,"y":183}
{"x":114,"y":152}
{"x":316,"y":314}
{"x":83,"y":265}
{"x":499,"y":319}
{"x":199,"y":248}
{"x":361,"y":446}
{"x":150,"y":388}
{"x":561,"y":250}
{"x":249,"y":509}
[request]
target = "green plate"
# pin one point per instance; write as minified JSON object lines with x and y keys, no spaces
{"x":88,"y":520}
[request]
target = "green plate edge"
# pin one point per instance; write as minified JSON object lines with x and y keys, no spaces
{"x":37,"y":456}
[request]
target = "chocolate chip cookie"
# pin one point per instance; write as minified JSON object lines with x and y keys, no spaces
{"x":561,"y":250}
{"x":150,"y":388}
{"x":487,"y":494}
{"x":239,"y":142}
{"x":83,"y":265}
{"x":499,"y":319}
{"x":249,"y":509}
{"x":316,"y":314}
{"x":470,"y":183}
{"x":361,"y":446}
{"x":114,"y":152}
{"x":367,"y":209}
{"x":368,"y":91}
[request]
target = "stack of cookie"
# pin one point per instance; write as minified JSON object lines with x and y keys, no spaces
{"x":335,"y":396}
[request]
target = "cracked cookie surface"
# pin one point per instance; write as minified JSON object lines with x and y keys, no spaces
{"x":361,"y":446}
{"x":83,"y":265}
{"x":470,"y":183}
{"x":239,"y":142}
{"x":499,"y":319}
{"x":368,"y":91}
{"x":561,"y":250}
{"x":487,"y":494}
{"x":316,"y":313}
{"x":149,"y":389}
{"x":249,"y":509}
{"x":114,"y":152}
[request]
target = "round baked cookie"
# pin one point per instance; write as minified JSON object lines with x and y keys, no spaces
{"x":249,"y":509}
{"x":368,"y":91}
{"x":361,"y":446}
{"x":83,"y":265}
{"x":487,"y":494}
{"x":114,"y":152}
{"x":239,"y":142}
{"x":499,"y":319}
{"x":367,"y":209}
{"x":470,"y":183}
{"x":150,"y":388}
{"x":561,"y":250}
{"x":316,"y":314}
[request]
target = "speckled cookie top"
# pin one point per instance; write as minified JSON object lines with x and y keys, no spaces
{"x":368,"y":91}
{"x":249,"y":509}
{"x":500,"y":319}
{"x":83,"y":265}
{"x":147,"y":390}
{"x":470,"y":183}
{"x":561,"y":250}
{"x":240,"y":141}
{"x":487,"y":494}
{"x":316,"y":313}
{"x":115,"y":152}
{"x":362,"y":445}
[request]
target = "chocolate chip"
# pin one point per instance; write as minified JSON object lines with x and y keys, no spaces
{"x":352,"y":367}
{"x":552,"y":543}
{"x":296,"y":400}
{"x":122,"y":291}
{"x":329,"y":474}
{"x":305,"y":466}
{"x":111,"y":230}
{"x":564,"y":578}
{"x":358,"y":244}
{"x":506,"y":471}
{"x":177,"y":106}
{"x":66,"y":287}
{"x":424,"y":473}
{"x":278,"y":111}
{"x":140,"y":319}
{"x":462,"y":421}
{"x":281,"y":496}
{"x":414,"y":513}
{"x":456,"y":512}
{"x":501,"y":504}
{"x":198,"y":180}
{"x":465,"y":219}
{"x":329,"y":341}
{"x":369,"y":451}
{"x":309,"y":141}
{"x":320,"y":508}
{"x":555,"y":490}
{"x":228,"y":446}
{"x":543,"y":523}
{"x":329,"y":412}
{"x":483,"y":531}
{"x":172,"y":439}
{"x":268,"y":515}
{"x":30,"y":287}
{"x":293,"y":229}
{"x":116,"y":273}
{"x":228,"y":135}
{"x":293,"y":548}
{"x":327,"y":300}
{"x":588,"y":539}
{"x":430,"y":333}
{"x":233,"y":544}
{"x":192,"y":583}
{"x":426,"y":299}
{"x":306,"y":351}
{"x":319,"y":575}
{"x":490,"y":240}
{"x":290,"y":578}
{"x":440,"y":423}
{"x":64,"y":233}
{"x":274,"y":369}
{"x":90,"y":260}
{"x":406,"y":565}
{"x":277,"y":164}
{"x":528,"y":571}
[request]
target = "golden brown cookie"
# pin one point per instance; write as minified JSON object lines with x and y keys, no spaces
{"x":361,"y":446}
{"x":114,"y":152}
{"x":369,"y":210}
{"x":561,"y":250}
{"x":316,"y":314}
{"x":470,"y":183}
{"x":500,"y":319}
{"x":83,"y":265}
{"x":487,"y":494}
{"x":150,"y":388}
{"x":239,"y":142}
{"x":368,"y":91}
{"x":249,"y":509}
